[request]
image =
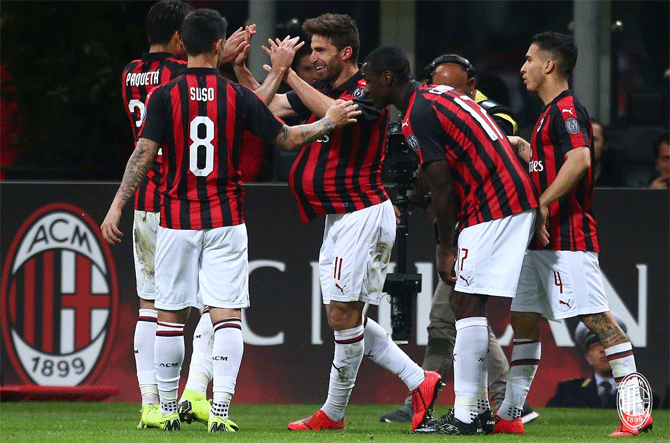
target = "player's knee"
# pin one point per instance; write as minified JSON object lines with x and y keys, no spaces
{"x":526,"y":325}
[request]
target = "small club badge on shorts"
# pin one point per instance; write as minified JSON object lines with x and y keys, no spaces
{"x":634,"y":401}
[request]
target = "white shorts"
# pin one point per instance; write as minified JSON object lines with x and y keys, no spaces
{"x":145,"y":225}
{"x":355,"y":254}
{"x":202,"y":267}
{"x":560,"y":284}
{"x":490,"y":255}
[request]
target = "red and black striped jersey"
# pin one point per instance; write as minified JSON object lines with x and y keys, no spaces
{"x":489,"y":179}
{"x":563,"y":125}
{"x":342,"y":171}
{"x":138,"y":79}
{"x":200,"y":119}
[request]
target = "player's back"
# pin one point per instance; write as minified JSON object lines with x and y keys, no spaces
{"x":138,"y":79}
{"x":200,"y":118}
{"x":141,"y":76}
{"x":488,"y":177}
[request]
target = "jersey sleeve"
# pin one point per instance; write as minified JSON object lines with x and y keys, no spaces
{"x":156,"y":116}
{"x":425,"y":130}
{"x":298,"y":106}
{"x":259,"y":119}
{"x":368,"y":110}
{"x":571,"y":127}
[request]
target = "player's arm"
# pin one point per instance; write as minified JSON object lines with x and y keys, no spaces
{"x":521,"y":146}
{"x":137,"y":167}
{"x":340,"y":114}
{"x":577,"y":162}
{"x":443,"y":199}
{"x":317,"y":102}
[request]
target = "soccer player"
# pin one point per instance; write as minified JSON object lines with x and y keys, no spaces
{"x":339,"y":177}
{"x":162,"y":63}
{"x":474,"y":177}
{"x":201,"y":247}
{"x":457,"y":72}
{"x":561,"y":277}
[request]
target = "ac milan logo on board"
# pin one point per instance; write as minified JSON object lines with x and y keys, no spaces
{"x":59,"y":298}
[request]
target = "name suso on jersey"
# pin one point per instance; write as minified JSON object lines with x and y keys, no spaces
{"x":200,"y":119}
{"x":342,"y":171}
{"x":138,"y":79}
{"x":488,"y":177}
{"x":564,"y":124}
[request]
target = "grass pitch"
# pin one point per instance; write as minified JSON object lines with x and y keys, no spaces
{"x":116,"y":422}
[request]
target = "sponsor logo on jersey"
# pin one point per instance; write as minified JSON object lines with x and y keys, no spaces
{"x":59,"y":298}
{"x":535,"y":166}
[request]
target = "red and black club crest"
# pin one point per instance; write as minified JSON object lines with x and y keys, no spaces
{"x":59,"y":298}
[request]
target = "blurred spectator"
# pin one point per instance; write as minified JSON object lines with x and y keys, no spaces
{"x":609,"y":166}
{"x":662,"y":155}
{"x":599,"y":390}
{"x":10,"y":128}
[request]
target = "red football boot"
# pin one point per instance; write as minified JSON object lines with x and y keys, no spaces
{"x":316,"y":422}
{"x":507,"y":426}
{"x":623,"y":430}
{"x":424,"y":397}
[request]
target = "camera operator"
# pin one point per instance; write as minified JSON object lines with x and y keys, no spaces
{"x":457,"y":72}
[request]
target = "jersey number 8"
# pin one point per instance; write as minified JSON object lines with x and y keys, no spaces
{"x":201,"y":143}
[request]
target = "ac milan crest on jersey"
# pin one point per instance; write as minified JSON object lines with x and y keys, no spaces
{"x":59,"y":298}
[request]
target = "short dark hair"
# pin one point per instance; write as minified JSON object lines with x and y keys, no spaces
{"x":389,"y":58}
{"x":163,"y":19}
{"x":201,"y":29}
{"x":663,"y":138}
{"x":561,"y":47}
{"x":305,"y":50}
{"x":341,"y":29}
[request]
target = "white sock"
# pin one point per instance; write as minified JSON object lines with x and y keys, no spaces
{"x":145,"y":335}
{"x":200,"y":369}
{"x":383,"y":351}
{"x":622,"y":361}
{"x":470,"y":349}
{"x":522,"y":368}
{"x":348,"y":356}
{"x":168,"y":357}
{"x":226,"y":357}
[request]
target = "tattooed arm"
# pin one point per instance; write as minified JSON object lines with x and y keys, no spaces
{"x":340,"y":114}
{"x":137,"y":167}
{"x":521,"y":146}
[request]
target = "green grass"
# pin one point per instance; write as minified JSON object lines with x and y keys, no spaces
{"x":115,"y":422}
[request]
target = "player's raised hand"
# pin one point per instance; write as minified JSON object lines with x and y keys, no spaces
{"x":342,"y":113}
{"x":235,"y":44}
{"x":110,"y":226}
{"x":282,"y":52}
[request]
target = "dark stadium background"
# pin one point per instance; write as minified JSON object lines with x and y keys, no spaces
{"x":62,"y":115}
{"x":63,"y":120}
